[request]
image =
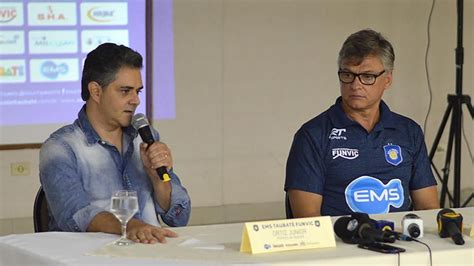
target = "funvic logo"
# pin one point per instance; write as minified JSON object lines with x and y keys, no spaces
{"x":50,"y":70}
{"x":345,"y":153}
{"x":7,"y":14}
{"x":369,"y":195}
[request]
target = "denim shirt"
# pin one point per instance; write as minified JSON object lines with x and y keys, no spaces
{"x":79,"y":172}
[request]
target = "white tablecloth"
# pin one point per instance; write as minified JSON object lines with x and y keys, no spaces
{"x":219,"y":244}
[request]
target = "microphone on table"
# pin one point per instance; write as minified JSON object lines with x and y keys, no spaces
{"x":384,"y":225}
{"x":450,"y":225}
{"x":359,"y":228}
{"x":140,"y":123}
{"x":345,"y":228}
{"x":389,"y":227}
{"x":412,"y":225}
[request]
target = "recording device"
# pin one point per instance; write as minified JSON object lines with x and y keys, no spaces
{"x":412,"y":225}
{"x":140,"y":123}
{"x":381,"y":247}
{"x":450,"y":225}
{"x":359,"y":228}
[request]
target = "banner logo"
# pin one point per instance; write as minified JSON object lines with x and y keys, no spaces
{"x":104,"y":13}
{"x":100,"y":15}
{"x":54,"y":70}
{"x":11,"y":13}
{"x":7,"y":14}
{"x":51,"y":14}
{"x":53,"y":42}
{"x":12,"y":42}
{"x":369,"y":195}
{"x":50,"y":70}
{"x":93,"y":38}
{"x":12,"y":71}
{"x":393,"y":154}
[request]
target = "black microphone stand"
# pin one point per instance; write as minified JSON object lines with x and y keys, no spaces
{"x":455,"y":102}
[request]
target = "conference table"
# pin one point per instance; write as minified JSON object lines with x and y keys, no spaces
{"x":219,"y":244}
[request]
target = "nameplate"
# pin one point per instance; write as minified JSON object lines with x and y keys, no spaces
{"x":291,"y":234}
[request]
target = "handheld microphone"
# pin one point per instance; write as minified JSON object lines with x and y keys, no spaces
{"x":389,"y":228}
{"x":140,"y":123}
{"x":360,"y":228}
{"x":412,"y":225}
{"x":450,"y":225}
{"x":368,"y":231}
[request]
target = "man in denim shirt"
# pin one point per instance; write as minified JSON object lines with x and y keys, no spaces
{"x":83,"y":163}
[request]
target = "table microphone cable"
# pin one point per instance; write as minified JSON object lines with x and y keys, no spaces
{"x":428,"y":247}
{"x":423,"y":243}
{"x":400,"y":236}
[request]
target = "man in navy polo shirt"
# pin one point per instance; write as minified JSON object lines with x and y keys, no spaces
{"x":358,"y":156}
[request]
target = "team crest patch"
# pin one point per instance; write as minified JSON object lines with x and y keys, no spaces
{"x":393,"y":154}
{"x":369,"y":195}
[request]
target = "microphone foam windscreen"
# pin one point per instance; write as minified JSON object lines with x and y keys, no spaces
{"x":341,"y":228}
{"x":362,"y":218}
{"x":444,"y":211}
{"x":139,"y":121}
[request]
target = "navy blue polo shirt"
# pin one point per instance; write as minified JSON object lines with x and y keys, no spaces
{"x":356,"y":171}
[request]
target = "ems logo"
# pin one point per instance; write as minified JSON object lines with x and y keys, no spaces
{"x":345,"y":153}
{"x":393,"y":154}
{"x":367,"y":194}
{"x":336,"y":133}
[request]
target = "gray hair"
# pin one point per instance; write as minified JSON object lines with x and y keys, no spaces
{"x":365,"y":43}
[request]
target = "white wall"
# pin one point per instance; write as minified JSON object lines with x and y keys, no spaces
{"x":250,"y":72}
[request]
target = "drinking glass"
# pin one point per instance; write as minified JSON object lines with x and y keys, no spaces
{"x":124,"y":204}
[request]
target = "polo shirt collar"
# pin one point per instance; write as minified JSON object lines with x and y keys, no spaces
{"x":341,"y":120}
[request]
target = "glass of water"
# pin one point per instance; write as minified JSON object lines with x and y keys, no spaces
{"x":124,"y":204}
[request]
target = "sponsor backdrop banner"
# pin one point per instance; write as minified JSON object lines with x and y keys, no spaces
{"x":43,"y":45}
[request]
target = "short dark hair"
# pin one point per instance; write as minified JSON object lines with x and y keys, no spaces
{"x":103,"y":63}
{"x":365,"y":43}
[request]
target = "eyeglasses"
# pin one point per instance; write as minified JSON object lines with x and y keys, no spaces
{"x":364,"y":78}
